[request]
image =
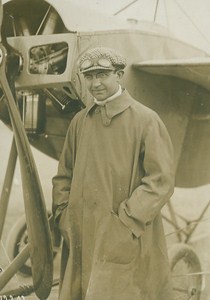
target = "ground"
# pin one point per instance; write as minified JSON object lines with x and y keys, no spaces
{"x":187,"y":202}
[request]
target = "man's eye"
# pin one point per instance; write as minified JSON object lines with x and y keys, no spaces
{"x":102,"y":75}
{"x":88,"y":77}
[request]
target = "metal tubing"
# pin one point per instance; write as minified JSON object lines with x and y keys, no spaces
{"x":13,"y":267}
{"x":197,"y":222}
{"x":4,"y":200}
{"x":174,"y":220}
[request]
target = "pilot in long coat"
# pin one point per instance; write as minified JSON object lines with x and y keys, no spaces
{"x":114,"y":176}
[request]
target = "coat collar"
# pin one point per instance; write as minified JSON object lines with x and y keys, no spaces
{"x":116,"y":106}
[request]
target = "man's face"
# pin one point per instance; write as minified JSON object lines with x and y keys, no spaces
{"x":103,"y":83}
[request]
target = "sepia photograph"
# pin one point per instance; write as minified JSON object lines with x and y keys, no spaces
{"x":105,"y":166}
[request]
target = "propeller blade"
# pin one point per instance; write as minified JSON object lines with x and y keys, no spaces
{"x":36,"y":215}
{"x":40,"y":244}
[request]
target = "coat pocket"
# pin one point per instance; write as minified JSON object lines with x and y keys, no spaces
{"x":117,"y":243}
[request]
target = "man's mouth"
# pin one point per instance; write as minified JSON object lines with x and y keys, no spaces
{"x":97,"y":91}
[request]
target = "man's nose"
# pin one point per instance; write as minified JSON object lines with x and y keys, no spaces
{"x":96,"y":81}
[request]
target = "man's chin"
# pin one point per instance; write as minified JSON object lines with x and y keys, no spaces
{"x":99,"y":96}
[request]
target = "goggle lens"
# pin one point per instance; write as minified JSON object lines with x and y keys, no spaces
{"x":102,"y":62}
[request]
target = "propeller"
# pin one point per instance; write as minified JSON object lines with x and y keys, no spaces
{"x":40,"y":244}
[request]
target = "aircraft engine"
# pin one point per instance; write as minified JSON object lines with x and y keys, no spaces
{"x":46,"y":85}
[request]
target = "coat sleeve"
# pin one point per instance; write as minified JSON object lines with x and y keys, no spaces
{"x":157,"y":184}
{"x":62,"y":181}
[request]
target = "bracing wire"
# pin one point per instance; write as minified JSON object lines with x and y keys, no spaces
{"x":166,"y":15}
{"x":192,"y":22}
{"x":125,"y":7}
{"x":42,"y":22}
{"x":181,"y":229}
{"x":156,"y":9}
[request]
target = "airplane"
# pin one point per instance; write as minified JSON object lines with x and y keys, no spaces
{"x":42,"y":90}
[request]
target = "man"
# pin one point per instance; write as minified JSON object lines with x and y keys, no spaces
{"x":115,"y":174}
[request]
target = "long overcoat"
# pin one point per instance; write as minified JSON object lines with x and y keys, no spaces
{"x":115,"y":174}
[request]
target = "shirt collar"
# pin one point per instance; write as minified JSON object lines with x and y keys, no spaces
{"x":113,"y":108}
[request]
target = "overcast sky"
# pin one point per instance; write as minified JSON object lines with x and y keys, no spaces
{"x":188,"y":19}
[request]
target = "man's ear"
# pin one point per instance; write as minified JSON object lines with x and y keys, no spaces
{"x":120,"y":74}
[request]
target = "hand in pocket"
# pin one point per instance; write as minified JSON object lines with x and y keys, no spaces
{"x":118,"y":244}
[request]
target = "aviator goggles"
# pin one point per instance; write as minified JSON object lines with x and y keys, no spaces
{"x":101,"y":63}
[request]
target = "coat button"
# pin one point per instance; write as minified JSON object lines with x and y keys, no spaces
{"x":97,"y":110}
{"x":107,"y":123}
{"x":148,"y":223}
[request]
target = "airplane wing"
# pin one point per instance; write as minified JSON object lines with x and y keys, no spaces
{"x":196,"y":69}
{"x":184,"y":106}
